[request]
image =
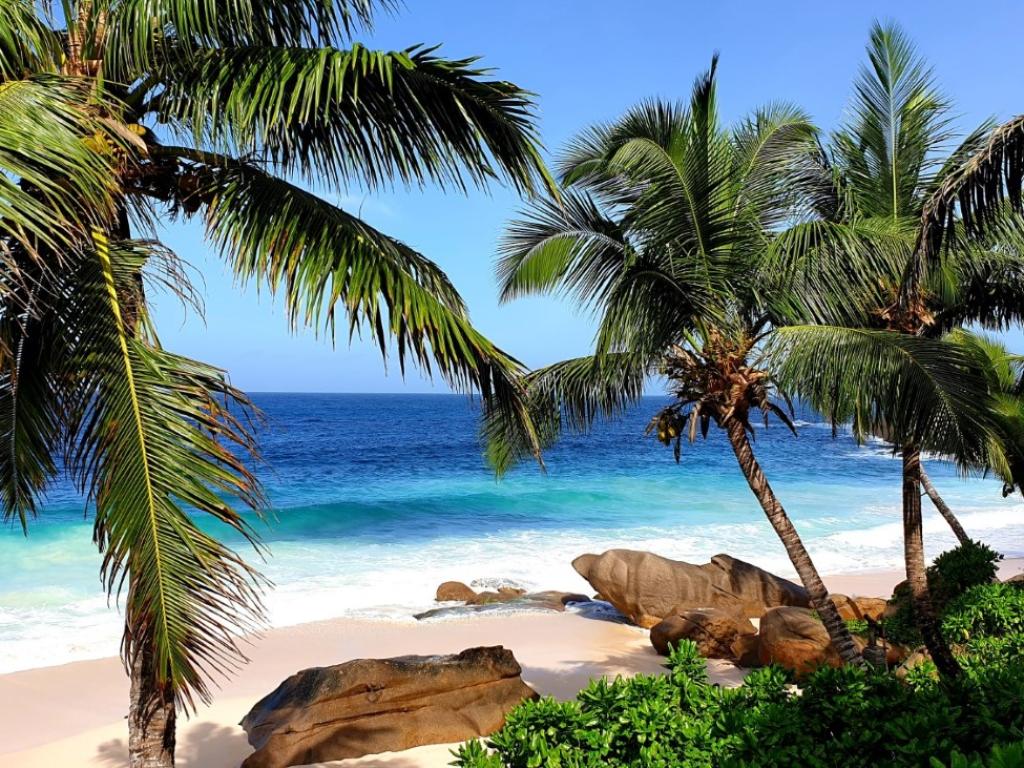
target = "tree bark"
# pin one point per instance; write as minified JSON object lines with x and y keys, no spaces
{"x":840,"y":635}
{"x":944,"y":510}
{"x":151,"y":717}
{"x":917,"y":576}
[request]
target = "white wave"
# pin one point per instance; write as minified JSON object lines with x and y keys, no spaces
{"x":330,"y":578}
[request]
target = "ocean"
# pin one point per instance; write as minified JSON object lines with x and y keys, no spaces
{"x":376,"y":499}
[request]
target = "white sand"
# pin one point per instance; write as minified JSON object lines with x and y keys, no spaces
{"x":73,"y":715}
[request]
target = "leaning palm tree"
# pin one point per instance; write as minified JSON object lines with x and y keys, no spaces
{"x":661,"y":222}
{"x":120,"y":114}
{"x":869,"y":191}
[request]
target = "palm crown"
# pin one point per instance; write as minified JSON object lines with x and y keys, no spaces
{"x":659,"y":229}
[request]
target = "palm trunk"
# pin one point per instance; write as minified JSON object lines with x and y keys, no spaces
{"x":944,"y":510}
{"x":150,"y":718}
{"x":917,"y":577}
{"x":842,"y":640}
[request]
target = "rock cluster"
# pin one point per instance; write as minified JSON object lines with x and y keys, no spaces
{"x":712,"y":604}
{"x":475,"y":602}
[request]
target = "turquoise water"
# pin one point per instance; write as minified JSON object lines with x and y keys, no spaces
{"x":378,"y":498}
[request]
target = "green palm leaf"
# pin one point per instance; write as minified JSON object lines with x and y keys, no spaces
{"x":30,"y":399}
{"x":149,"y":35}
{"x":910,"y":389}
{"x":358,"y":115}
{"x":55,"y":180}
{"x":161,"y":440}
{"x":568,"y":395}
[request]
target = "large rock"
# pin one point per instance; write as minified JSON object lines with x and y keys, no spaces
{"x":860,"y":608}
{"x":795,"y":639}
{"x":715,"y":631}
{"x":381,"y":705}
{"x":646,"y":587}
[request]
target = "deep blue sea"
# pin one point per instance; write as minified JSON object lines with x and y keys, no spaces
{"x":378,"y":498}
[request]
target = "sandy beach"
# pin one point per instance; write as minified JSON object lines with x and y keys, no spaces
{"x":72,"y":714}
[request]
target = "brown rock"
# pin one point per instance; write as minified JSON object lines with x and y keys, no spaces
{"x":646,"y":587}
{"x":756,"y":588}
{"x":745,"y":651}
{"x":859,"y":608}
{"x":896,"y":654}
{"x":511,"y":591}
{"x":381,"y":705}
{"x":795,"y":639}
{"x":454,"y":591}
{"x":713,"y":630}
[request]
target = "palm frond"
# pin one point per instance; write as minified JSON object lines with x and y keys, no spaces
{"x":569,"y":395}
{"x":27,"y":45}
{"x":325,"y":260}
{"x":160,"y":440}
{"x":771,"y":146}
{"x":149,"y":35}
{"x":840,"y":272}
{"x":987,"y":184}
{"x":359,"y":115}
{"x":31,"y":423}
{"x":57,"y":180}
{"x":888,"y":148}
{"x":569,"y":244}
{"x":913,"y":390}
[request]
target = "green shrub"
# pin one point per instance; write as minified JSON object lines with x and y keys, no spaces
{"x":957,"y":570}
{"x":1001,"y":756}
{"x":842,"y":717}
{"x":986,"y":610}
{"x":952,"y":574}
{"x":857,"y":626}
{"x":986,"y":625}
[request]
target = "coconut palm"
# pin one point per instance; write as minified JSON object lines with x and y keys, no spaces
{"x":869,"y":190}
{"x":661,"y":221}
{"x":118,"y":115}
{"x":1004,"y":457}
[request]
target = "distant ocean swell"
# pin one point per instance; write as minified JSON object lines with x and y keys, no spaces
{"x":377,"y":499}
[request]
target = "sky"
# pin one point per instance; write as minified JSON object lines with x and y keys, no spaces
{"x":587,"y":61}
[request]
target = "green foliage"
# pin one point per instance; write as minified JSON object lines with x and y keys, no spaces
{"x":1001,"y":756}
{"x":953,"y":573}
{"x":987,"y":622}
{"x":842,"y":717}
{"x":957,"y":570}
{"x":857,"y":626}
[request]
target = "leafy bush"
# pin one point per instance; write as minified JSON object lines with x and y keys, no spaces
{"x":986,"y":624}
{"x":1001,"y":756}
{"x":842,"y":717}
{"x":957,"y":570}
{"x":857,"y":626}
{"x":986,"y":610}
{"x":952,"y":574}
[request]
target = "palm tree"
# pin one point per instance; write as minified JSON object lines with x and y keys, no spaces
{"x":663,"y":217}
{"x":117,"y":115}
{"x":859,"y":247}
{"x":1004,"y":457}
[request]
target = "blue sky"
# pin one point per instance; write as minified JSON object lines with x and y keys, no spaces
{"x":588,"y":61}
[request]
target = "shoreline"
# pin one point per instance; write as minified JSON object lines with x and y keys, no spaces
{"x":73,"y":713}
